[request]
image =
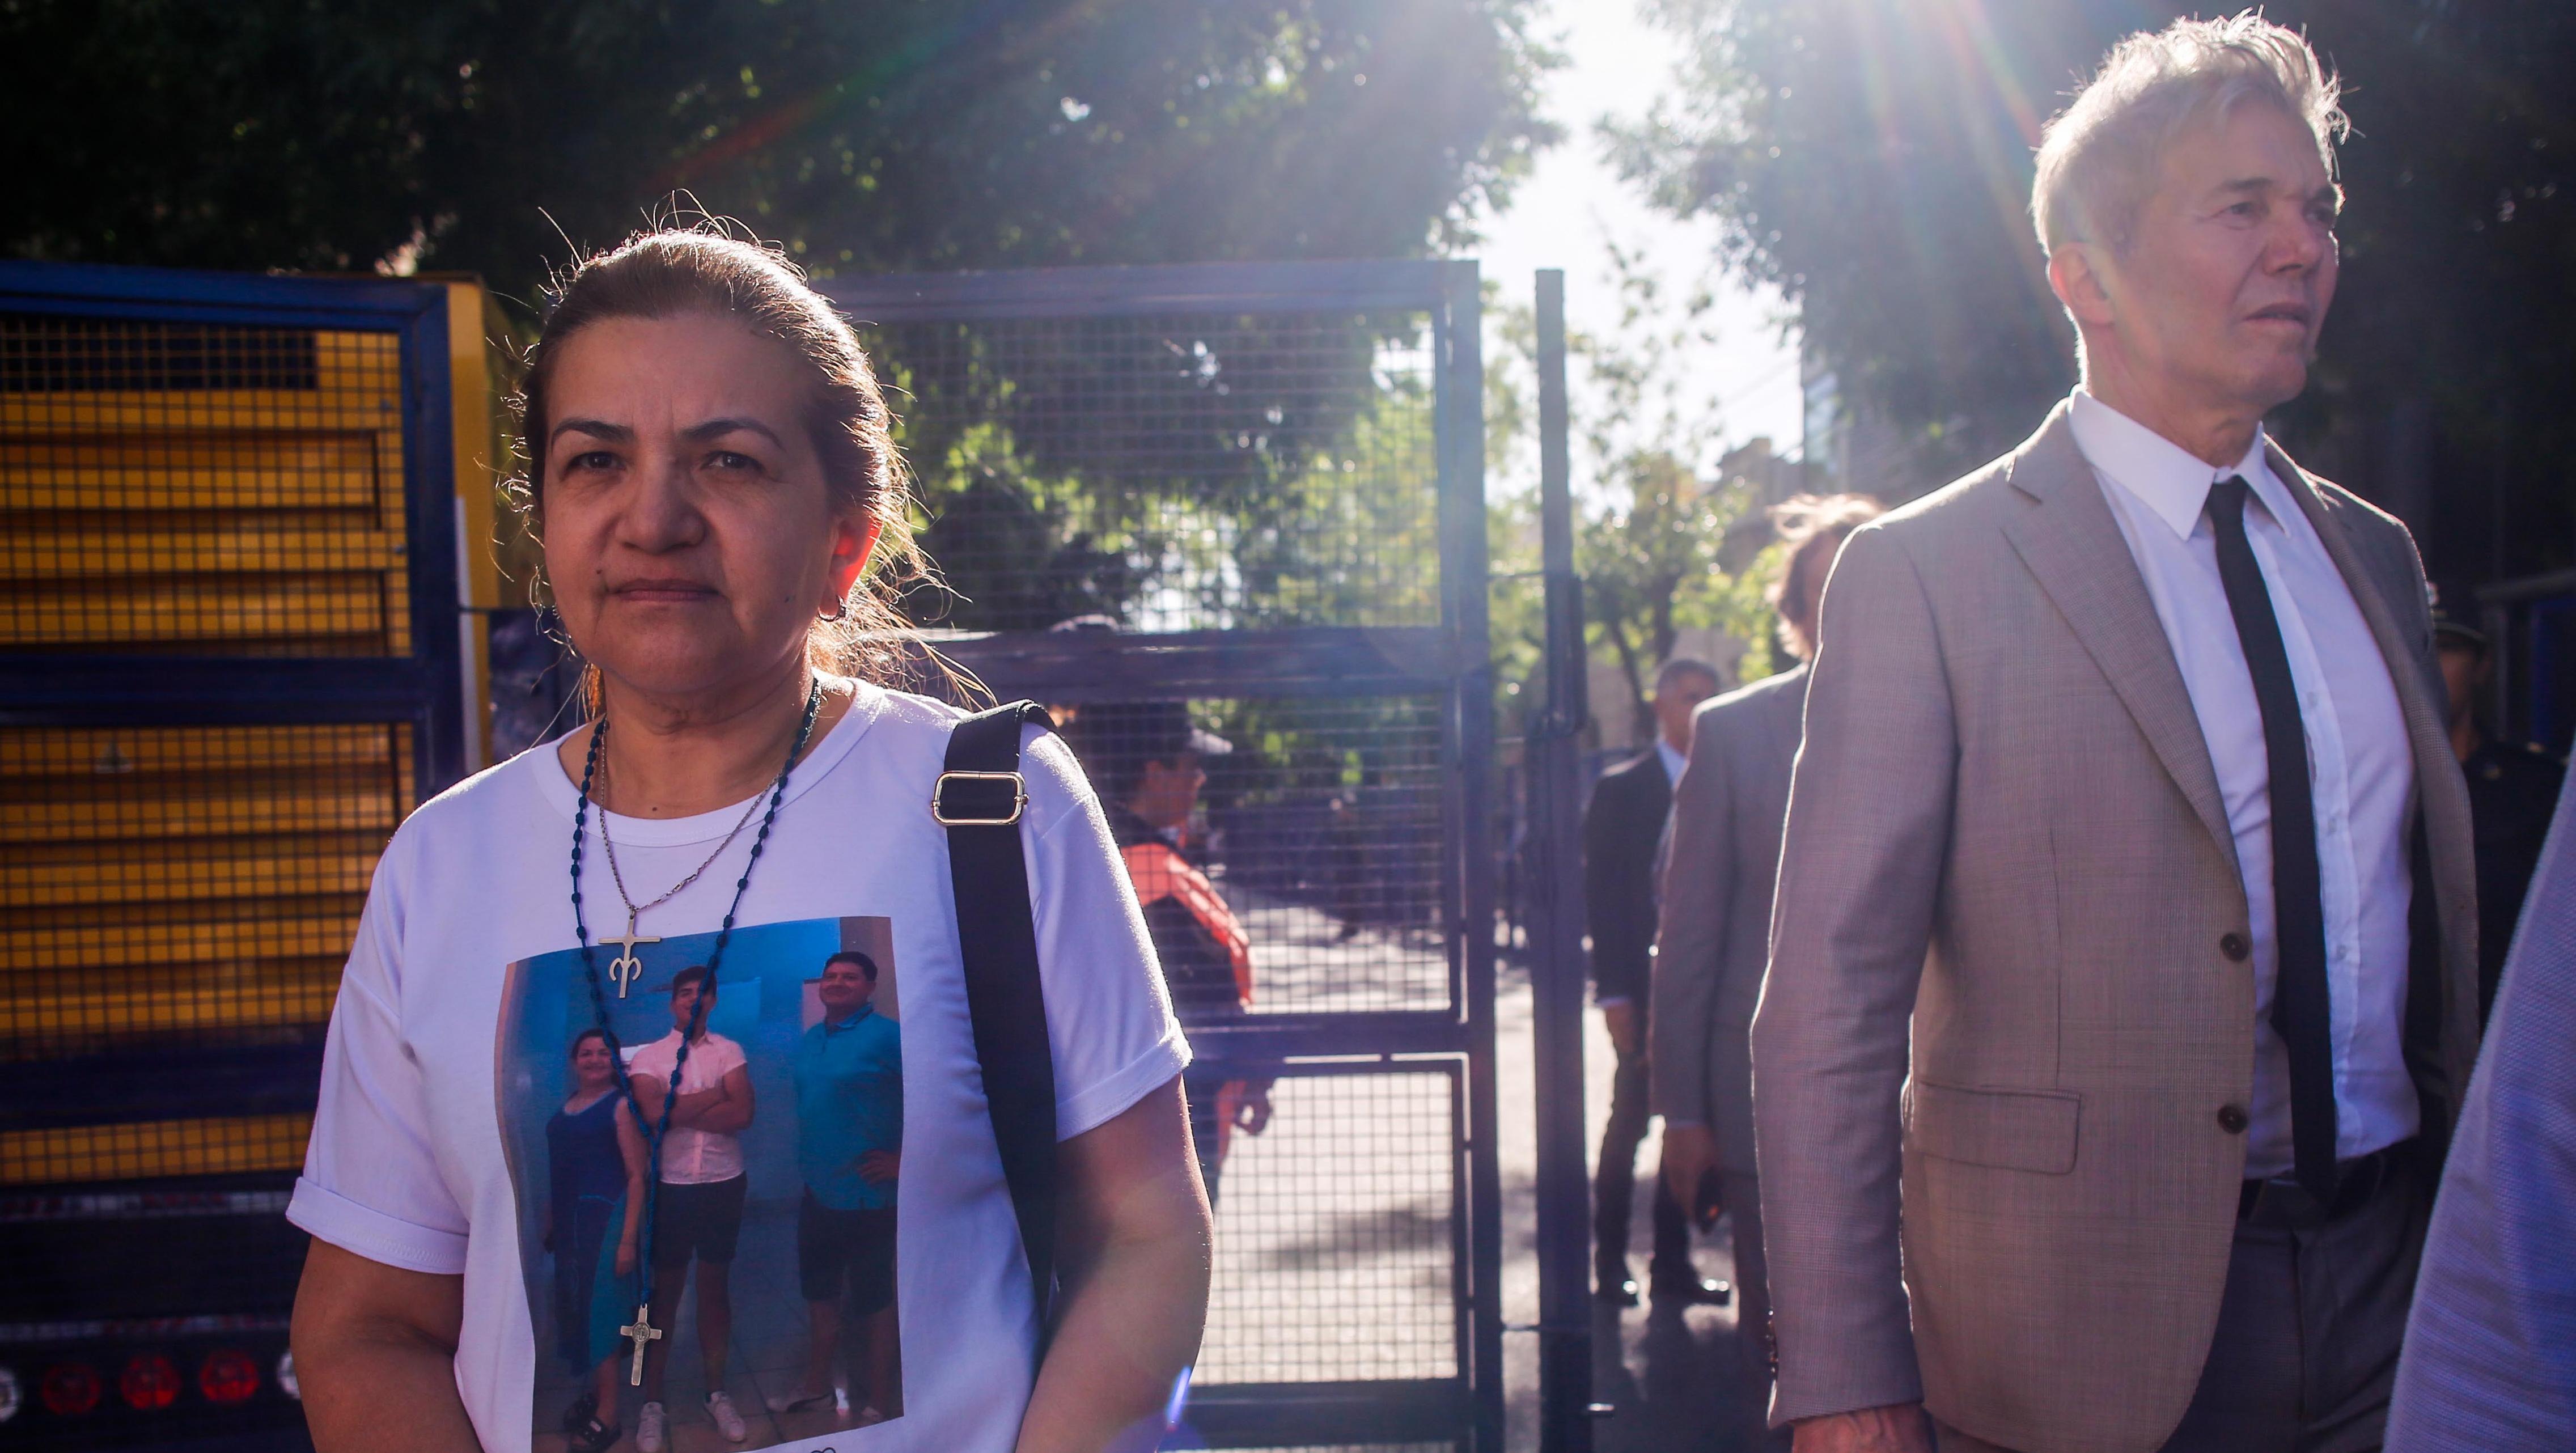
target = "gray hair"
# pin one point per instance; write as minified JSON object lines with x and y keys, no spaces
{"x":2098,"y":158}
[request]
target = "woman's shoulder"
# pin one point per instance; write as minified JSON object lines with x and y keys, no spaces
{"x":913,"y":730}
{"x":502,"y":799}
{"x":511,"y":785}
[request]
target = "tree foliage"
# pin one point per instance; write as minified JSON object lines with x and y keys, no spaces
{"x":1069,"y":467}
{"x":1653,"y":507}
{"x":1873,"y":158}
{"x":864,"y":134}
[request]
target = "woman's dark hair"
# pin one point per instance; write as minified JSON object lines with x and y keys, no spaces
{"x":585,"y":1037}
{"x":679,"y":272}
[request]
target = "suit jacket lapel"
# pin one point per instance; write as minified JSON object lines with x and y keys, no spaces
{"x":2439,"y":788}
{"x":2074,"y":547}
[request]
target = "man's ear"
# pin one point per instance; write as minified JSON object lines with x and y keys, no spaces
{"x":2079,"y":274}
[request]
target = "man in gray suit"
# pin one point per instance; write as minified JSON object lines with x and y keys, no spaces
{"x":1722,"y":856}
{"x":2123,"y":972}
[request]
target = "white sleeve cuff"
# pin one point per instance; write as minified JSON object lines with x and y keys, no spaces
{"x":1606,"y":1000}
{"x":374,"y":1235}
{"x":1105,"y":1099}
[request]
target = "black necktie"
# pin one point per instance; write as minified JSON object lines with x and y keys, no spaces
{"x":2300,"y":1013}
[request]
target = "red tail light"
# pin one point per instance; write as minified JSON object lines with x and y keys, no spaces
{"x":69,"y":1389}
{"x":149,"y":1383}
{"x":229,"y":1376}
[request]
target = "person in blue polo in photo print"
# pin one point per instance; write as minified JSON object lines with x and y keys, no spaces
{"x":849,"y":1145}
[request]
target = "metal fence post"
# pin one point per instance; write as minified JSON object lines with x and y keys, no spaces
{"x":1564,"y":1194}
{"x":1461,"y":448}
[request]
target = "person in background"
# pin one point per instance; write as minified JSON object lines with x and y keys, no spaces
{"x":1721,"y":861}
{"x":697,"y":1209}
{"x":2490,"y":1361}
{"x":849,"y":1147}
{"x":2101,"y":1069}
{"x":2512,"y":786}
{"x":1148,"y":759}
{"x":595,"y":1184}
{"x":1623,"y":825}
{"x":1346,"y":864}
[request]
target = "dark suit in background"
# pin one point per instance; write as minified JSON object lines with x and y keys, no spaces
{"x":1622,"y":828}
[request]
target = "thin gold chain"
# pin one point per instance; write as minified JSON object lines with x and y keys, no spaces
{"x":635,"y":910}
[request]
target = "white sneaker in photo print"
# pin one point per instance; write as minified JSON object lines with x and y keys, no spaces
{"x":652,"y":1429}
{"x":728,"y":1422}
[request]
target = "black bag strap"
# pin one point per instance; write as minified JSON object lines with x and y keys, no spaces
{"x":979,"y":798}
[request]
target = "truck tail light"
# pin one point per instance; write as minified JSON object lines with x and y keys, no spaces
{"x":149,"y":1383}
{"x":229,"y":1376}
{"x":70,"y":1389}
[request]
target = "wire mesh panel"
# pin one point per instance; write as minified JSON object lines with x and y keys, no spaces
{"x":185,"y":886}
{"x":1173,"y":471}
{"x":1318,"y":821}
{"x":1228,"y":523}
{"x":199,"y":488}
{"x":1337,"y":1252}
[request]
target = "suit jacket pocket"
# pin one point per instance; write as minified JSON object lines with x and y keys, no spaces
{"x":2032,"y":1130}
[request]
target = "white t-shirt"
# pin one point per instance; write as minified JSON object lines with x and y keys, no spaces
{"x":693,"y":1157}
{"x":424,"y":1157}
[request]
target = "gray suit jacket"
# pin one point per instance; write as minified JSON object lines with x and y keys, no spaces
{"x":1721,"y":860}
{"x":1997,"y":989}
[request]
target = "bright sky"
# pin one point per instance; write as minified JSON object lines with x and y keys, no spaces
{"x":1567,"y":213}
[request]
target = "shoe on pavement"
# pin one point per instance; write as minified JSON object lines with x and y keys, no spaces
{"x":794,"y":1398}
{"x":728,"y":1422}
{"x":1692,"y":1290}
{"x":1618,"y":1289}
{"x":652,"y":1429}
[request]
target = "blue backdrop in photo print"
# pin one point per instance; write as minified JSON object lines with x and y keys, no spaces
{"x":764,"y":1001}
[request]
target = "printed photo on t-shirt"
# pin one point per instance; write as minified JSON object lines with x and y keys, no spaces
{"x":747,"y":1299}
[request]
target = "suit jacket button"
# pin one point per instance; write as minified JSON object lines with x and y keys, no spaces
{"x":2235,"y":946}
{"x":2231,"y":1118}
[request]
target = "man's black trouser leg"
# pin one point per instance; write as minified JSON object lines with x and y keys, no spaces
{"x":1614,"y":1184}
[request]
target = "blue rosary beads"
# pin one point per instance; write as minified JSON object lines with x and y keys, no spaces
{"x":643,"y":1330}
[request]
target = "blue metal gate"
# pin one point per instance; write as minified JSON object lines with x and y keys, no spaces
{"x":1261,"y":486}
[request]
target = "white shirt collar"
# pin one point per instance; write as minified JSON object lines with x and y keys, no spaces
{"x":2168,"y":479}
{"x":1673,"y":761}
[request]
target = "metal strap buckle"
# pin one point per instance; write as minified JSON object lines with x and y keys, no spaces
{"x":1019,"y":799}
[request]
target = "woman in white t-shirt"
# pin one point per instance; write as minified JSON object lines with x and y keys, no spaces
{"x":711,"y":471}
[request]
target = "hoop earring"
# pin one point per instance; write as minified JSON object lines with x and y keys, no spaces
{"x":840,"y":611}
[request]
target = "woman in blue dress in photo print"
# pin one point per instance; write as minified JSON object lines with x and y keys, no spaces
{"x":595,"y":1161}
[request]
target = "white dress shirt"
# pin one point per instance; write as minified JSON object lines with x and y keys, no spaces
{"x":2360,"y":764}
{"x":1673,"y":760}
{"x":692,"y":1157}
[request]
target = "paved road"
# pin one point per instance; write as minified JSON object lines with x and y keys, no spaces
{"x":1660,"y":1368}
